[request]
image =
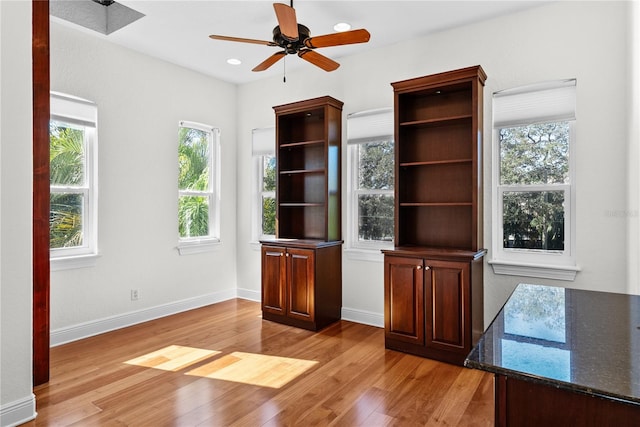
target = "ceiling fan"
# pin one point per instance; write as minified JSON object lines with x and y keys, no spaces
{"x":295,"y":38}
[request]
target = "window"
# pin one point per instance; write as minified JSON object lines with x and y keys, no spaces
{"x":263,"y":151}
{"x":534,"y":137}
{"x":73,"y":180}
{"x":198,"y":195}
{"x":371,"y":179}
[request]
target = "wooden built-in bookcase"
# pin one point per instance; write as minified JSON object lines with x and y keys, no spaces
{"x":302,"y":267}
{"x":433,"y":276}
{"x":438,"y":151}
{"x":308,"y":138}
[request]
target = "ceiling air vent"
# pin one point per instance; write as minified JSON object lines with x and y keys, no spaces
{"x":103,"y":16}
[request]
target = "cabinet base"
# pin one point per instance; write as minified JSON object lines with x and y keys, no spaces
{"x":311,"y":326}
{"x":429,"y":353}
{"x":524,"y":404}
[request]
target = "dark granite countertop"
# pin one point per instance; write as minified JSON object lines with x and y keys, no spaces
{"x":583,"y":341}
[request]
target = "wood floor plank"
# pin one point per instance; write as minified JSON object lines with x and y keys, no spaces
{"x":222,"y":365}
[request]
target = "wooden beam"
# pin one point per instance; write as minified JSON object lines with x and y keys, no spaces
{"x":41,"y":88}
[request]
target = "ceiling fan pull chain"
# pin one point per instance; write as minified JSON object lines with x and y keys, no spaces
{"x":284,"y":69}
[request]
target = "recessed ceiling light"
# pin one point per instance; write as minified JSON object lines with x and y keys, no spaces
{"x":234,"y":61}
{"x":342,"y":26}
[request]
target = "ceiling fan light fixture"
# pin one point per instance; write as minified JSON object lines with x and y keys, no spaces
{"x":342,"y":26}
{"x":295,"y":39}
{"x":234,"y":61}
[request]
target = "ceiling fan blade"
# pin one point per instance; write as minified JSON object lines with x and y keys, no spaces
{"x":238,"y":39}
{"x":287,"y":21}
{"x":318,"y":60}
{"x":270,"y":61}
{"x":338,"y":39}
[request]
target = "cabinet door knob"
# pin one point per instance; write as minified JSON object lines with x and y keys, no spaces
{"x":427,"y":268}
{"x":419,"y":267}
{"x":287,"y":253}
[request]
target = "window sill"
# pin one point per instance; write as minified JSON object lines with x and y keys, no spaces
{"x":358,"y":254}
{"x":558,"y":272}
{"x":198,"y":246}
{"x":72,"y":262}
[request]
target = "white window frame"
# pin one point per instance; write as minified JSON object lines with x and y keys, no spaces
{"x":540,"y":103}
{"x":199,"y":244}
{"x":263,"y":142}
{"x":83,"y":114}
{"x":364,"y":127}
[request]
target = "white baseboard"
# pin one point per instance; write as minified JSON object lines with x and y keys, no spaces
{"x":18,"y":412}
{"x":351,"y":314}
{"x":361,"y":316}
{"x":99,"y":326}
{"x":249,"y":294}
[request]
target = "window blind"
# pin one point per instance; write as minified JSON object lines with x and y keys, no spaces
{"x":70,"y":109}
{"x":537,"y":103}
{"x":263,"y":141}
{"x":366,"y":126}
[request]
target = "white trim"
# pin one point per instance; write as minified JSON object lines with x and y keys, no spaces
{"x":249,"y":294}
{"x":362,"y":316}
{"x":561,"y":266}
{"x":88,"y":329}
{"x":213,"y":193}
{"x":89,"y":189}
{"x":95,"y":327}
{"x":258,"y":194}
{"x":557,"y":272}
{"x":18,"y":412}
{"x":198,"y":246}
{"x":353,"y":241}
{"x":71,"y":262}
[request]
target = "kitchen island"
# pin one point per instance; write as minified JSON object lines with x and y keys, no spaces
{"x":563,"y":357}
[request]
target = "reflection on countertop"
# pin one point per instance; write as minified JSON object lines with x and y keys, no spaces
{"x":582,"y":341}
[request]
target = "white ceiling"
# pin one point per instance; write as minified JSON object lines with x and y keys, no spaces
{"x":177,"y":31}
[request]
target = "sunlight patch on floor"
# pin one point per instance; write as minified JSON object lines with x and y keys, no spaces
{"x":172,"y":358}
{"x":254,"y":369}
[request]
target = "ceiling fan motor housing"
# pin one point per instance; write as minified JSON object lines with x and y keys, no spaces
{"x":291,"y":46}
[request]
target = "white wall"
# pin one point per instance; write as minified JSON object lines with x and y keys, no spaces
{"x":17,"y":403}
{"x":585,"y":40}
{"x":140,"y":101}
{"x":633,"y":158}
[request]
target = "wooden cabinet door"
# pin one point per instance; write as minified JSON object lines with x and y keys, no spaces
{"x":301,"y":283}
{"x":274,"y":278}
{"x":404,"y":302}
{"x":447,"y":301}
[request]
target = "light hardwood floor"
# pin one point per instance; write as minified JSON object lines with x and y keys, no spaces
{"x":223,"y":365}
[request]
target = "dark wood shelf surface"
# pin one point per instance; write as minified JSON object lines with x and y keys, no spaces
{"x":299,"y":171}
{"x":302,"y":143}
{"x":418,"y":204}
{"x":436,"y":121}
{"x":300,"y":205}
{"x":435,"y":162}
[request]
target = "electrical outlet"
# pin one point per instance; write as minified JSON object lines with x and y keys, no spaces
{"x":134,"y":295}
